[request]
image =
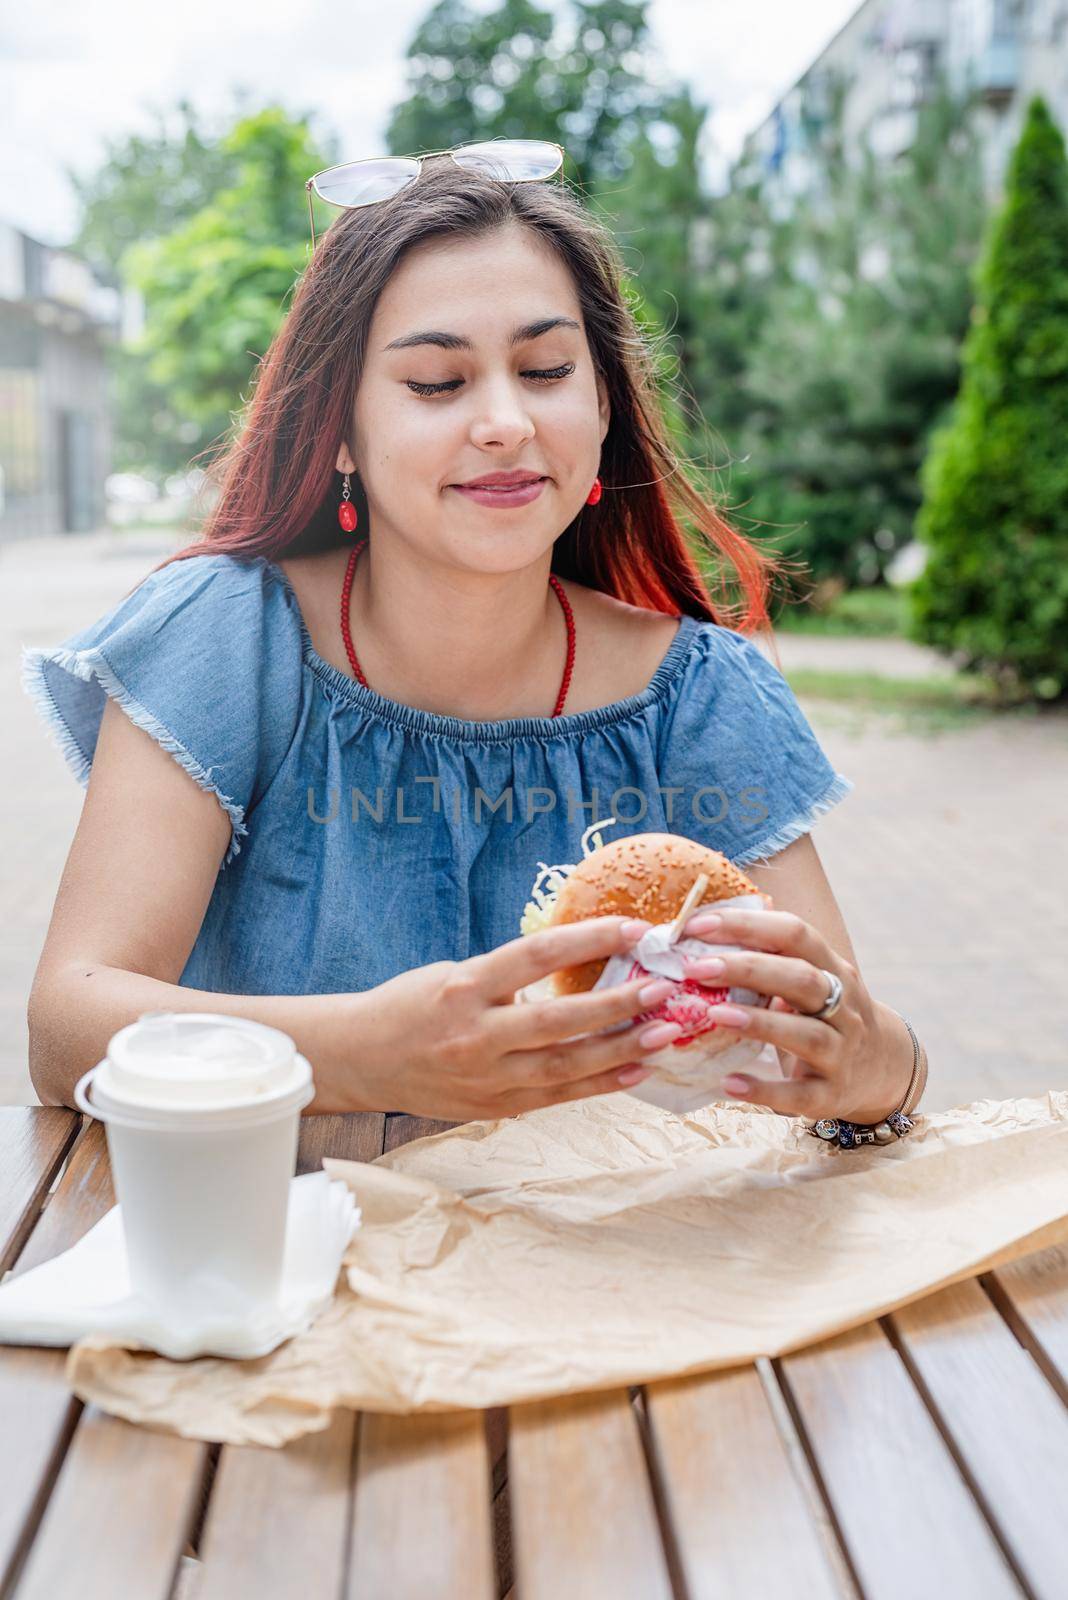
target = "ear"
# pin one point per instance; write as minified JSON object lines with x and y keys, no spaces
{"x":345,"y":462}
{"x":603,"y":406}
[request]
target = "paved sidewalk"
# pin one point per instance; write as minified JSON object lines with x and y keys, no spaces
{"x":948,"y":859}
{"x":886,"y":658}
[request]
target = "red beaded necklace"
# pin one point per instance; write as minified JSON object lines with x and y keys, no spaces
{"x":346,"y":591}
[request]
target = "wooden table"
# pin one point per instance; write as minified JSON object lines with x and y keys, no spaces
{"x":924,"y":1454}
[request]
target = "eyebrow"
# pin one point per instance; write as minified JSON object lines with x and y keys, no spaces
{"x":453,"y":341}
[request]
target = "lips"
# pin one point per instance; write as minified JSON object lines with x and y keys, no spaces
{"x":507,"y":495}
{"x":502,"y":480}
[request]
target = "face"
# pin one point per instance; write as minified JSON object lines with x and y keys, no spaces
{"x":428,"y":418}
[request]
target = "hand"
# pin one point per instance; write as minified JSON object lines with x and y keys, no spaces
{"x":853,"y":1065}
{"x":446,"y":1040}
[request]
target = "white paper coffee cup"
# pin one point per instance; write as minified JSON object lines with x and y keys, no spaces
{"x":202,"y":1112}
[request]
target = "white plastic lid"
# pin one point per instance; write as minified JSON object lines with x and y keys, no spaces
{"x":197,"y":1061}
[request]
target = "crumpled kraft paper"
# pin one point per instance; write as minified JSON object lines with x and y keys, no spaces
{"x":606,"y":1242}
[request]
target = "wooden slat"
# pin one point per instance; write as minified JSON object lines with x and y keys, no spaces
{"x":1008,"y":1425}
{"x":83,"y":1195}
{"x":739,"y":1518}
{"x":1032,"y":1293}
{"x":495,"y":1420}
{"x":154,"y":1477}
{"x":355,"y":1137}
{"x":278,"y":1519}
{"x":33,"y":1143}
{"x":421,"y":1519}
{"x":908,"y":1519}
{"x":403,"y":1129}
{"x":583,"y":1514}
{"x":38,"y":1413}
{"x":118,"y":1516}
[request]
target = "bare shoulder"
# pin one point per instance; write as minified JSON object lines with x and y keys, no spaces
{"x":623,"y":645}
{"x":312,"y":576}
{"x":316,"y":581}
{"x":616,"y":618}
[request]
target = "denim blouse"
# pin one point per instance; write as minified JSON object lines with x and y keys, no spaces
{"x":368,"y":837}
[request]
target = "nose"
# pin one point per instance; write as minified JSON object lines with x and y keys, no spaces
{"x":504,"y":418}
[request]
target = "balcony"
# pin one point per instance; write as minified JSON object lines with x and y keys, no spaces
{"x":997,"y":70}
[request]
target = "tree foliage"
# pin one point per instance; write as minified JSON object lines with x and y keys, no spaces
{"x":834,"y":336}
{"x":215,"y":285}
{"x":995,"y":512}
{"x":149,"y":184}
{"x":584,"y":79}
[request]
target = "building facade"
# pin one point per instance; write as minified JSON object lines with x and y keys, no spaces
{"x":886,"y":61}
{"x":56,"y":321}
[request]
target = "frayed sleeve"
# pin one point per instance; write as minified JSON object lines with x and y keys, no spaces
{"x":741,"y":740}
{"x":205,"y":655}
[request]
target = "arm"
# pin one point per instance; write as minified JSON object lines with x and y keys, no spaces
{"x":131,"y":900}
{"x":796,"y":881}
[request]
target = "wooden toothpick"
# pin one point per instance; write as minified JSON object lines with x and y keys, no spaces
{"x":692,"y":899}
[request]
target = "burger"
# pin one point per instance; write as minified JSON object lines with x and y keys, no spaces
{"x":653,"y":876}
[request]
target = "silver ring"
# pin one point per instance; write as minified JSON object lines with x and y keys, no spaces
{"x":834,"y":997}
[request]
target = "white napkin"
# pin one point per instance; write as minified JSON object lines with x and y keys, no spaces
{"x":86,"y":1290}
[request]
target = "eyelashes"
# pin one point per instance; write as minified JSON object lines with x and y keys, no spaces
{"x":546,"y":375}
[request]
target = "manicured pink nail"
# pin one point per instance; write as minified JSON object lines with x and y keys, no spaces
{"x":704,"y":922}
{"x":659,"y":1033}
{"x":736,"y":1085}
{"x":653,"y":993}
{"x":706,"y":966}
{"x":635,"y":927}
{"x":732,"y":1016}
{"x":633,"y":1075}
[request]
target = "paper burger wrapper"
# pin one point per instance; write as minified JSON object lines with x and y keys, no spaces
{"x":689,"y":1072}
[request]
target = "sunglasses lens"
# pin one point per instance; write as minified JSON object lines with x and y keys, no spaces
{"x":362,"y":182}
{"x":510,"y":159}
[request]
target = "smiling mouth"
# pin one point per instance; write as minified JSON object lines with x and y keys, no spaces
{"x":501,"y":488}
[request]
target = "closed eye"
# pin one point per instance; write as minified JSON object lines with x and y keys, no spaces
{"x":546,"y":375}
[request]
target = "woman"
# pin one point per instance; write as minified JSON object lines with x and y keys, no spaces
{"x":321,"y":772}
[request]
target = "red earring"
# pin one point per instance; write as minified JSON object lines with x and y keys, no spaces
{"x":595,"y":493}
{"x":346,"y":511}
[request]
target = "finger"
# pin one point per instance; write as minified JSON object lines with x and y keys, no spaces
{"x":529,"y":1024}
{"x":799,"y":1097}
{"x":569,"y":1063}
{"x":815,"y":1042}
{"x":553,"y":1095}
{"x":797,"y":981}
{"x":780,"y":932}
{"x":500,"y":972}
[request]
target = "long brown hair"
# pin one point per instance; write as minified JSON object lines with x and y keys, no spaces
{"x":278,"y":479}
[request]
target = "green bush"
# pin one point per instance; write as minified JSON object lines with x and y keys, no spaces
{"x":995,"y":509}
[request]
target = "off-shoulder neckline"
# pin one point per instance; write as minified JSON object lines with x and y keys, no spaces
{"x":433,"y":724}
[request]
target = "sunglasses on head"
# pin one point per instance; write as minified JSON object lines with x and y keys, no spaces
{"x":363,"y":183}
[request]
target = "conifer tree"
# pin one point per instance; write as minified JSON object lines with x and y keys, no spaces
{"x":995,"y":510}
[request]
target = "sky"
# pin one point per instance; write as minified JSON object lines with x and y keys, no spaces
{"x":73,"y":75}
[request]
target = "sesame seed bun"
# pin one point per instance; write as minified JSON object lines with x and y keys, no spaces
{"x":645,"y":875}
